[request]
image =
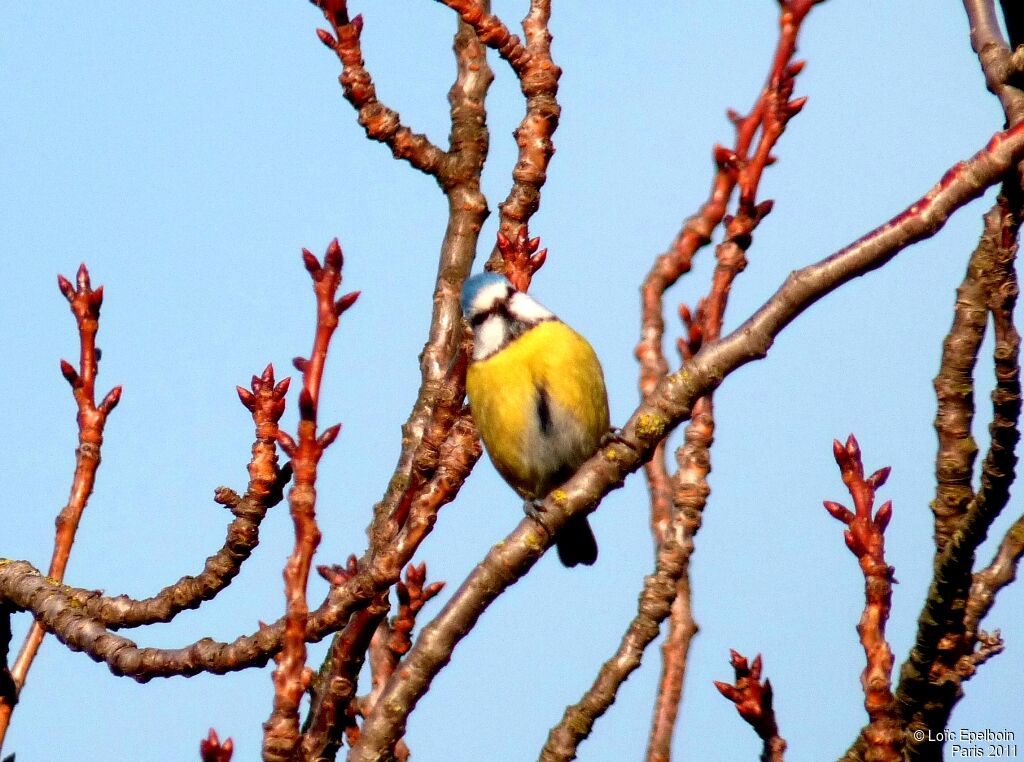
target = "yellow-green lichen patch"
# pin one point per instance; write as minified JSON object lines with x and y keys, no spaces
{"x":651,"y":426}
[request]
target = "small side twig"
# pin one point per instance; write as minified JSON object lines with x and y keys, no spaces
{"x":265,"y":400}
{"x":334,"y":689}
{"x":85,"y":304}
{"x":865,"y":538}
{"x":753,"y":700}
{"x":381,"y":123}
{"x":1000,"y":572}
{"x":281,"y":730}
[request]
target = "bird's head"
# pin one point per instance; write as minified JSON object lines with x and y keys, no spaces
{"x":498,"y":313}
{"x":482,"y":292}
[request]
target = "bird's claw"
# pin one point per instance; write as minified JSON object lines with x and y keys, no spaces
{"x":615,"y":436}
{"x":534,"y":508}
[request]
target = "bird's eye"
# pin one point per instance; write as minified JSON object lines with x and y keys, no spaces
{"x":479,"y":318}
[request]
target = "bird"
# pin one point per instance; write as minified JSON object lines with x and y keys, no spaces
{"x":537,"y":394}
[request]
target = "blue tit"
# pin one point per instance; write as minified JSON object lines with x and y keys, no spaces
{"x":537,"y":395}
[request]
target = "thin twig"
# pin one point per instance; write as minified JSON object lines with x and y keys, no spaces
{"x":997,"y":62}
{"x":753,"y":700}
{"x":998,"y":574}
{"x":381,"y":123}
{"x":538,"y":80}
{"x":655,"y":603}
{"x":281,"y":731}
{"x":265,"y":400}
{"x":92,"y":418}
{"x":865,"y":538}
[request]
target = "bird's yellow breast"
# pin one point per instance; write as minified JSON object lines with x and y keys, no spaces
{"x":552,"y":360}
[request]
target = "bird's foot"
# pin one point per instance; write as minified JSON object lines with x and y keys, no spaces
{"x":614,"y":436}
{"x":534,"y":508}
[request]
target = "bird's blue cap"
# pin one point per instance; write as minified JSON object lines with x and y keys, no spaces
{"x":475,"y":285}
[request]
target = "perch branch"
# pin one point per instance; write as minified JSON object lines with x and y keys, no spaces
{"x":656,"y":415}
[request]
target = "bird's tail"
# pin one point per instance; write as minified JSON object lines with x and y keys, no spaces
{"x":576,"y":543}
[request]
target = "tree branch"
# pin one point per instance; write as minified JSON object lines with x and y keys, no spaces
{"x":931,"y":677}
{"x":662,"y":410}
{"x":883,"y":736}
{"x":996,"y":60}
{"x":281,"y":730}
{"x":92,"y":418}
{"x":381,"y":123}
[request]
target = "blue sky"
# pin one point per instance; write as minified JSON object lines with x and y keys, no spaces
{"x":187,"y":152}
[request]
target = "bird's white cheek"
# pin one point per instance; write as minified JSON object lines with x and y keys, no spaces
{"x":489,"y":337}
{"x":526,"y":309}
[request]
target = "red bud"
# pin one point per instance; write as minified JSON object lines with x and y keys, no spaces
{"x":247,"y":398}
{"x":838,"y":511}
{"x":796,"y":105}
{"x":82,"y":276}
{"x":111,"y":400}
{"x":883,"y":516}
{"x":728,"y":691}
{"x":345,"y":302}
{"x":307,"y":408}
{"x":310,"y":261}
{"x":334,"y":258}
{"x":70,"y":374}
{"x":327,"y":438}
{"x":878,"y":478}
{"x":286,"y":442}
{"x":65,"y":287}
{"x":327,"y":38}
{"x":724,"y":157}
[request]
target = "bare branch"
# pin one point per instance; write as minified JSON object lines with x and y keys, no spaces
{"x":865,"y":538}
{"x":656,"y":602}
{"x":657,"y":414}
{"x":931,"y":677}
{"x":92,"y":418}
{"x":994,"y":55}
{"x":281,"y":731}
{"x":381,"y":123}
